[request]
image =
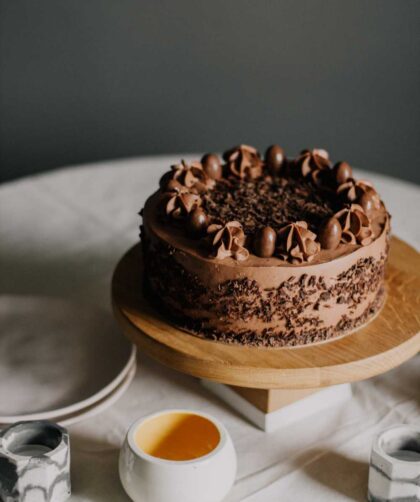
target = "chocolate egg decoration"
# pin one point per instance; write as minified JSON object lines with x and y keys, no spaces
{"x":212,"y":166}
{"x":274,"y":157}
{"x":342,"y":172}
{"x":265,"y":242}
{"x":198,"y":221}
{"x":368,"y":201}
{"x":330,"y":234}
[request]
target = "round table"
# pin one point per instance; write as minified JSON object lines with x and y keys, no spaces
{"x":61,"y":234}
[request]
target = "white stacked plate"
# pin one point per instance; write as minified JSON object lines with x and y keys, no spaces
{"x":59,"y":360}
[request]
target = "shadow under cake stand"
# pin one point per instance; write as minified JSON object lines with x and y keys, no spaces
{"x":274,"y":386}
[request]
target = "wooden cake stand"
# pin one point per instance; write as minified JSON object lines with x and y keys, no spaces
{"x":272,"y":386}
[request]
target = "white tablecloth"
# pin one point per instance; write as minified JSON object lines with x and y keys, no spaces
{"x":62,"y":233}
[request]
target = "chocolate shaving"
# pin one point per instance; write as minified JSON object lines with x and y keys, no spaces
{"x":268,"y":202}
{"x":243,"y":300}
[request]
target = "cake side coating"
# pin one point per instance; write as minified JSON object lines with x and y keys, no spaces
{"x":260,"y":290}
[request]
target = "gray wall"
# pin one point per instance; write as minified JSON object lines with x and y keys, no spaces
{"x":83,"y":80}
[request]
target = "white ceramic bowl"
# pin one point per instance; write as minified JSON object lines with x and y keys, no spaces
{"x":148,"y":478}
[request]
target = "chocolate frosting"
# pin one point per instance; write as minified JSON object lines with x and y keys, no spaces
{"x":179,"y":203}
{"x":262,"y":301}
{"x":243,"y":162}
{"x":355,"y":225}
{"x":291,"y":211}
{"x":297,"y":243}
{"x":353,"y":189}
{"x":276,"y":252}
{"x":228,"y":240}
{"x":313,"y":162}
{"x":192,"y":176}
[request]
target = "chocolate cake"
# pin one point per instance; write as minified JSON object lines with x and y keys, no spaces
{"x":265,"y":251}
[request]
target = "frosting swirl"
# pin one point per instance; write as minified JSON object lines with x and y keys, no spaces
{"x":356,"y":227}
{"x":191,"y":175}
{"x":244,"y":162}
{"x":314,"y":163}
{"x":296,"y":243}
{"x":228,"y":240}
{"x":353,"y":189}
{"x":180,"y":202}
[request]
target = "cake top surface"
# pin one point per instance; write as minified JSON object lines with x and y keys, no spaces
{"x":267,"y":202}
{"x":280,"y":210}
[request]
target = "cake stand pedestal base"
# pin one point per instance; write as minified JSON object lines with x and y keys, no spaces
{"x":270,"y":409}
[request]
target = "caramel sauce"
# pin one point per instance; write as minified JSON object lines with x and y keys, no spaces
{"x":177,"y":436}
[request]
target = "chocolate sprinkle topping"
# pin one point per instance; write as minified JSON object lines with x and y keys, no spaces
{"x":268,"y":202}
{"x":243,"y":300}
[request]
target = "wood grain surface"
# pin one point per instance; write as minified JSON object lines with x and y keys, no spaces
{"x":386,"y":342}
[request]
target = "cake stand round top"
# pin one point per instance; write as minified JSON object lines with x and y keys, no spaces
{"x":386,"y":342}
